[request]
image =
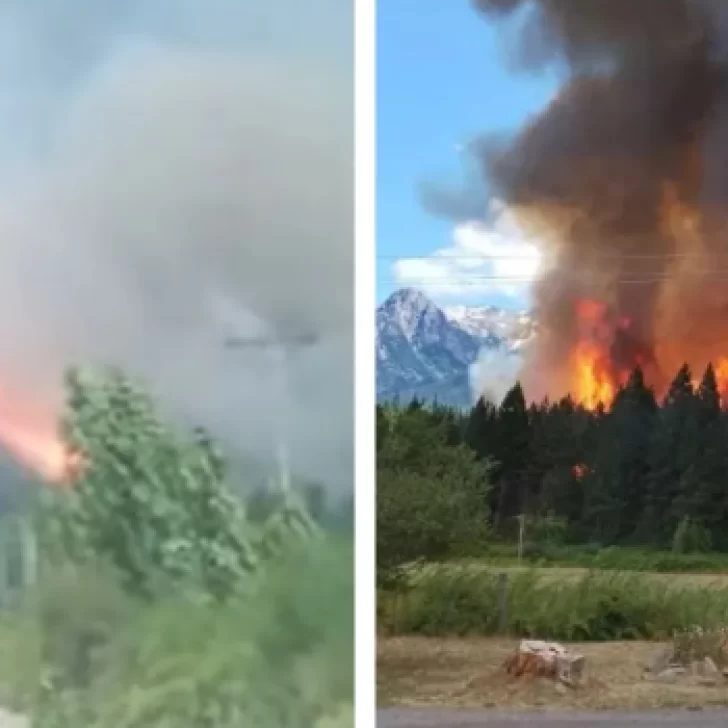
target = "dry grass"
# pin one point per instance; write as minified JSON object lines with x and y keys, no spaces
{"x":575,"y":573}
{"x":704,"y":581}
{"x":468,"y":672}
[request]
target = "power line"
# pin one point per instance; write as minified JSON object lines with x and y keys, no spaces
{"x":499,"y":256}
{"x":456,"y":280}
{"x":280,"y":347}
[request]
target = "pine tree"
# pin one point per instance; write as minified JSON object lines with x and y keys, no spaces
{"x":667,"y":460}
{"x":511,"y":451}
{"x":559,"y":458}
{"x":615,"y":501}
{"x":481,"y":428}
{"x":703,"y":498}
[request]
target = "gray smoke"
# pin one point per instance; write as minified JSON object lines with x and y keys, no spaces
{"x":623,"y":178}
{"x":492,"y":374}
{"x":173,"y":174}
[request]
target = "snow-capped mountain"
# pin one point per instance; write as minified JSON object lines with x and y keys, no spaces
{"x":427,"y":352}
{"x":515,"y":328}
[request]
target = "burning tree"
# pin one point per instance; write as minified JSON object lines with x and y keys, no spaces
{"x":621,"y":179}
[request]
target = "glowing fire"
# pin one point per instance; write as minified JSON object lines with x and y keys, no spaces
{"x":721,"y":376}
{"x":31,"y":435}
{"x":594,"y":375}
{"x":593,"y":382}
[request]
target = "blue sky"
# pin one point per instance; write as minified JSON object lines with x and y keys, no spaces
{"x":442,"y":78}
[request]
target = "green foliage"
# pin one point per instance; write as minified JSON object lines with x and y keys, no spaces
{"x":609,"y":558}
{"x":638,"y":487}
{"x":626,"y":475}
{"x":431,"y":494}
{"x":448,"y":600}
{"x":155,"y":506}
{"x":160,"y":603}
{"x":690,"y":537}
{"x":281,"y":656}
{"x":548,"y":530}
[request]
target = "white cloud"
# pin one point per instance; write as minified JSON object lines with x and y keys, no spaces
{"x":485,"y":258}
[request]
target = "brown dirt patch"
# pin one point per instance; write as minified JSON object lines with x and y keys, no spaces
{"x":419,"y":671}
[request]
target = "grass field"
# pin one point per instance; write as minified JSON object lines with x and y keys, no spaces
{"x":573,"y":604}
{"x":618,"y":558}
{"x":456,"y":672}
{"x":554,"y":574}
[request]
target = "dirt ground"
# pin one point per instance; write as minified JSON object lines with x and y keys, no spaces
{"x":453,"y":672}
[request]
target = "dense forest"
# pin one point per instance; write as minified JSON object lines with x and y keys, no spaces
{"x":642,"y":472}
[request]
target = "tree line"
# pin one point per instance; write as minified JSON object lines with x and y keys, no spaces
{"x":642,"y":472}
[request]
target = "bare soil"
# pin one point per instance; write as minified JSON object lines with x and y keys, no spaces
{"x":460,"y":672}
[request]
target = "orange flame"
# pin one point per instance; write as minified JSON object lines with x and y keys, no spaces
{"x":594,"y":384}
{"x":595,"y":377}
{"x":31,"y":435}
{"x":721,"y":377}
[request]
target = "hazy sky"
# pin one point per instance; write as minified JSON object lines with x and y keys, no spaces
{"x":173,"y":172}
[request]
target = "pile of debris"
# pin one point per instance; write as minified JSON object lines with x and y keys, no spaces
{"x":696,"y":655}
{"x":536,"y":658}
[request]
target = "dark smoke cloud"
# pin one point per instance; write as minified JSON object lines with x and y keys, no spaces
{"x":640,"y":120}
{"x":584,"y":33}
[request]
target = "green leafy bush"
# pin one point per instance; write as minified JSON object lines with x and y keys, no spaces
{"x":160,"y":604}
{"x":153,"y":504}
{"x":431,"y":497}
{"x":691,"y":537}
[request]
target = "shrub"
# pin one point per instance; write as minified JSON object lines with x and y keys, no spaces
{"x":160,"y":604}
{"x":691,"y":537}
{"x":431,"y":497}
{"x":281,"y":656}
{"x":447,"y":600}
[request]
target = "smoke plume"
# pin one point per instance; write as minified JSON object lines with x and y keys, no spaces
{"x":492,"y":374}
{"x":623,"y":178}
{"x":173,"y":174}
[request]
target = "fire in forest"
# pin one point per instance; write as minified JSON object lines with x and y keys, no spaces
{"x":623,"y":177}
{"x":598,"y":370}
{"x":31,"y":436}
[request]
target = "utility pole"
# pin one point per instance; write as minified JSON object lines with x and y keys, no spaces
{"x":280,"y":348}
{"x":521,"y":528}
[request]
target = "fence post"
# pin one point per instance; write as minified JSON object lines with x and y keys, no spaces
{"x":521,"y":529}
{"x":502,"y":587}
